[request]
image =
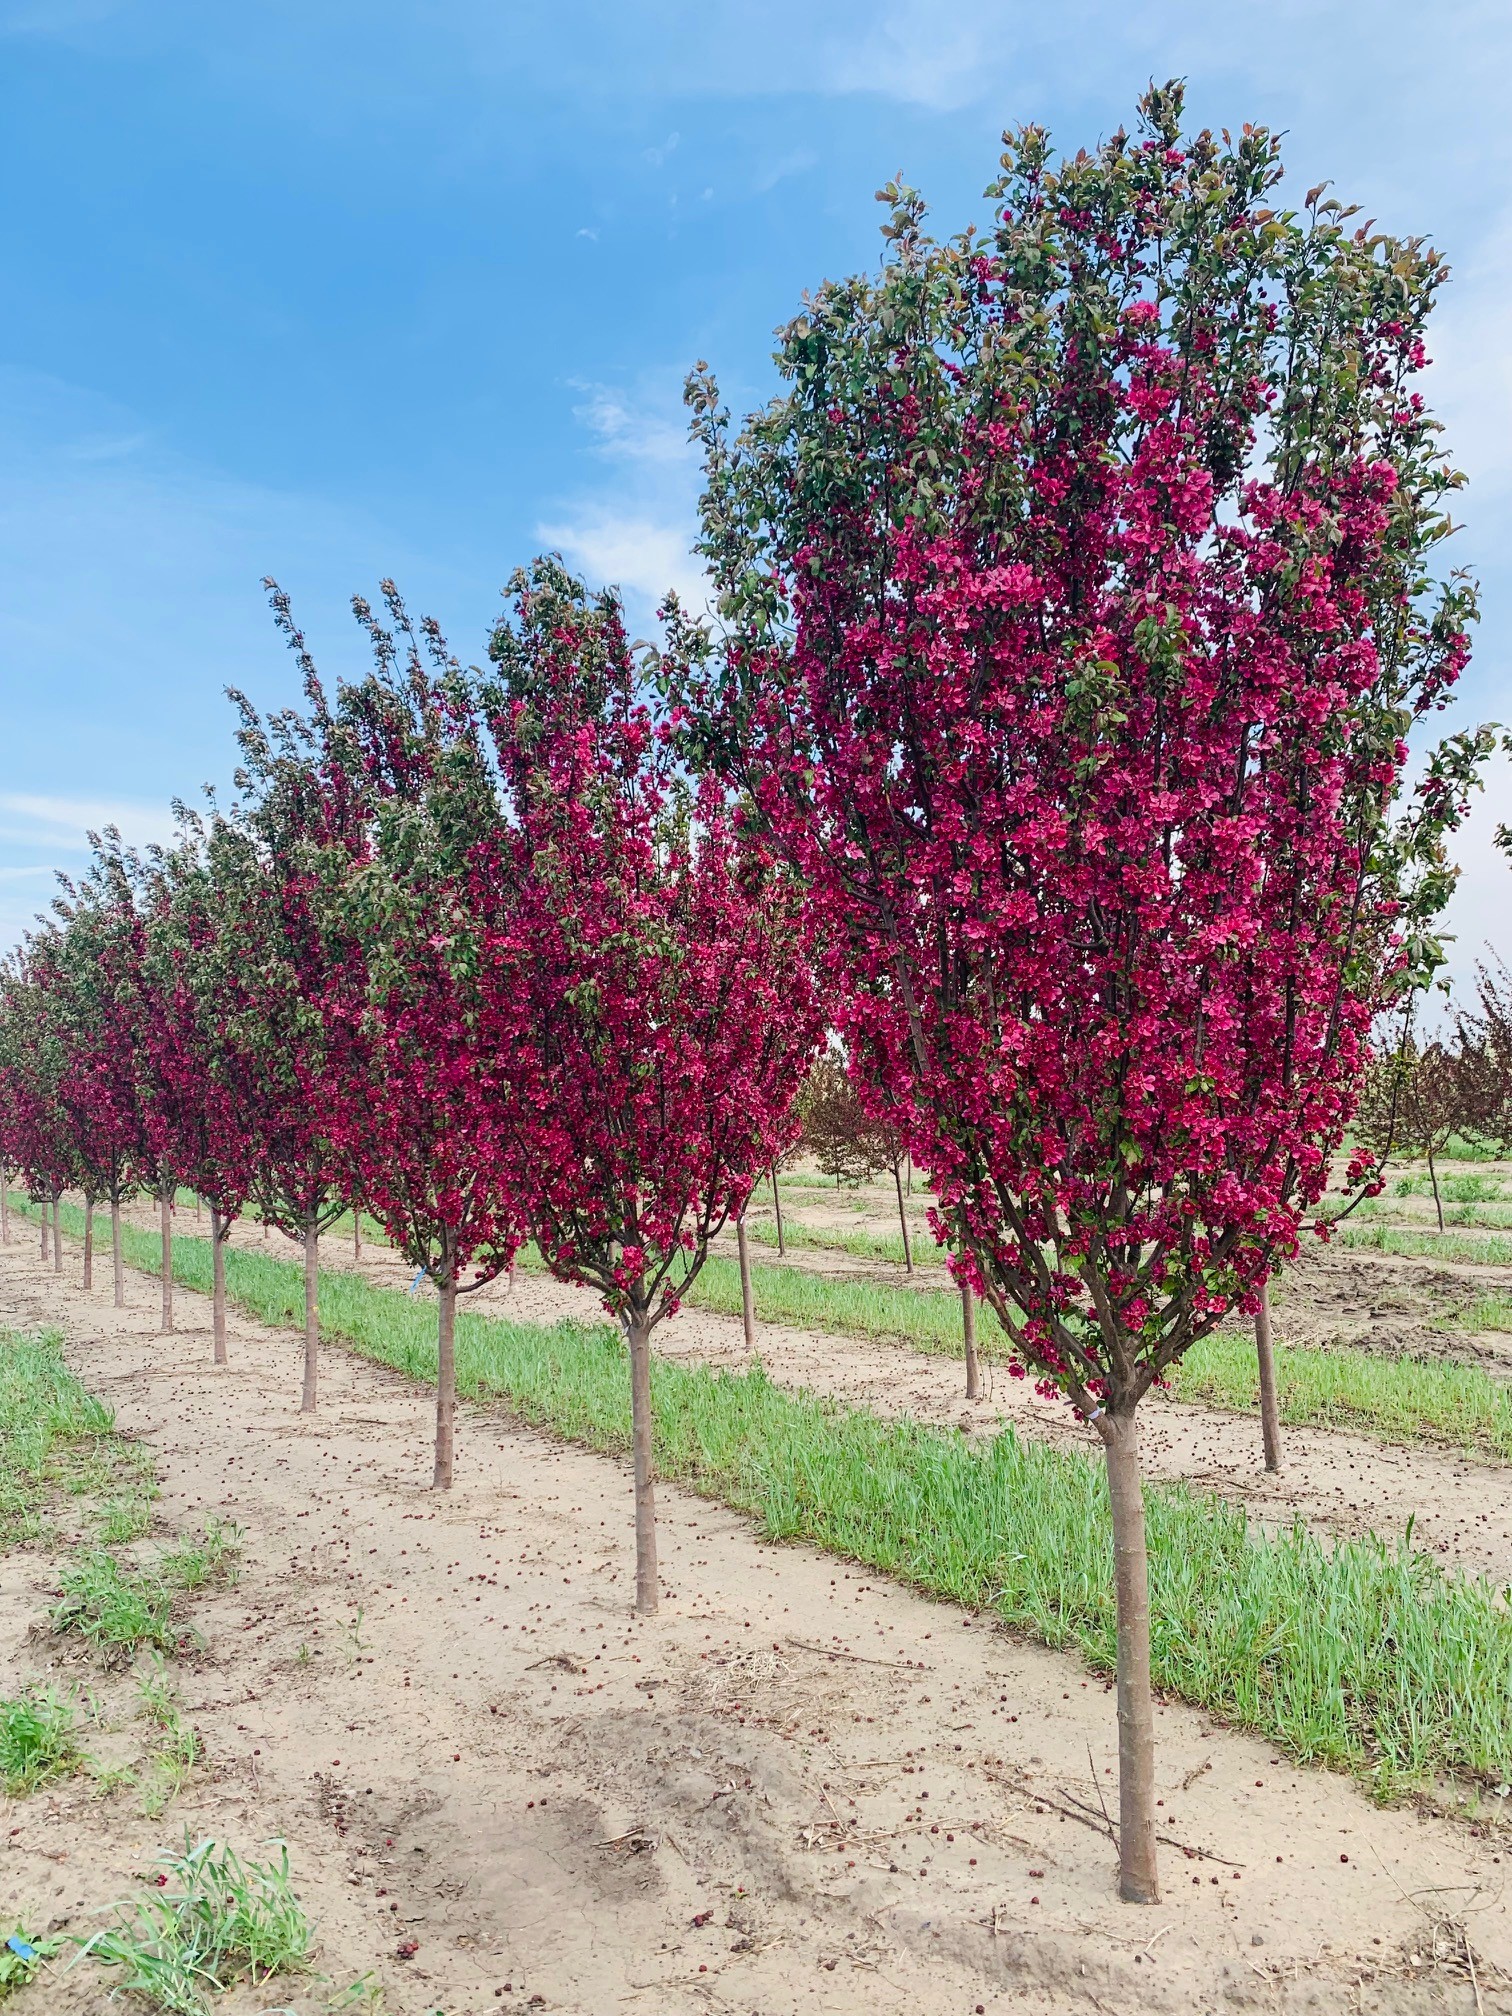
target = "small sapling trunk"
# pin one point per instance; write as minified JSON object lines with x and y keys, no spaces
{"x":117,"y":1259}
{"x":638,"y":1337}
{"x":57,"y":1232}
{"x":311,"y":1311}
{"x":165,"y":1226}
{"x":1137,"y":1877}
{"x":747,"y":1294}
{"x":446,"y":1368}
{"x":220,"y":1231}
{"x":89,"y":1242}
{"x":1265,"y":1356}
{"x":968,"y":1333}
{"x":903,"y":1219}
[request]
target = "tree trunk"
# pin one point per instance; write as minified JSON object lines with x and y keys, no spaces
{"x":58,"y":1233}
{"x":312,"y":1311}
{"x":89,"y":1242}
{"x":903,"y":1220}
{"x":446,"y":1371}
{"x":1438,"y":1202}
{"x":198,"y":1208}
{"x":165,"y":1223}
{"x":46,"y":1231}
{"x":1270,"y":1411}
{"x":968,"y":1331}
{"x":1137,"y":1880}
{"x":220,"y":1231}
{"x":117,"y":1263}
{"x":4,"y":1206}
{"x":356,"y":1235}
{"x":747,"y":1298}
{"x":777,"y":1207}
{"x":638,"y":1334}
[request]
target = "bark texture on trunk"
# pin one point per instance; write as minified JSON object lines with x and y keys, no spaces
{"x":1265,"y":1356}
{"x":446,"y":1376}
{"x":165,"y":1226}
{"x":46,"y":1231}
{"x":968,"y":1331}
{"x":58,"y":1233}
{"x":777,"y":1207}
{"x":312,"y":1312}
{"x":638,"y":1335}
{"x":1138,"y":1882}
{"x":356,"y":1235}
{"x":1438,"y":1202}
{"x":219,"y":1233}
{"x":89,"y":1242}
{"x":903,"y":1221}
{"x":117,"y":1259}
{"x":747,"y":1296}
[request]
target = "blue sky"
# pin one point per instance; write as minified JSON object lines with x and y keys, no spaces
{"x":332,"y":290}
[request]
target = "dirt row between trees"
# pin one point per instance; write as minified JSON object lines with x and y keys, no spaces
{"x":450,"y":1712}
{"x":1342,"y":1483}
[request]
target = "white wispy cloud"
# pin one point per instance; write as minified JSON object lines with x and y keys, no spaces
{"x":65,"y":823}
{"x":635,"y":529}
{"x":642,"y":556}
{"x":635,"y":429}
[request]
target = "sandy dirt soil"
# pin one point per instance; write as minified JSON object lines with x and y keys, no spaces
{"x":798,"y":1789}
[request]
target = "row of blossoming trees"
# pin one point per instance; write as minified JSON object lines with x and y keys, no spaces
{"x":1075,"y":604}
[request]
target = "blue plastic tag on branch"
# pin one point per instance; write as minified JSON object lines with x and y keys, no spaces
{"x":419,"y":1277}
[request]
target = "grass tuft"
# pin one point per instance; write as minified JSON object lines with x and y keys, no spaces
{"x":208,"y":1922}
{"x":116,"y":1610}
{"x":56,"y":1439}
{"x":38,"y":1741}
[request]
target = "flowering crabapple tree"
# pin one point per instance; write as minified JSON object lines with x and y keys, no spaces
{"x":33,"y":1064}
{"x":91,"y":959}
{"x":651,"y":989}
{"x":845,"y":1140}
{"x":415,"y":1114}
{"x":283,"y":986}
{"x":1483,"y":1038}
{"x":1078,"y":606}
{"x":195,"y":1093}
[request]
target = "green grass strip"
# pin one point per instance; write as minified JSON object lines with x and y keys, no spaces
{"x":1487,"y":1250}
{"x":1352,"y":1653}
{"x":58,"y":1441}
{"x":1398,"y":1399}
{"x":927,"y":1318}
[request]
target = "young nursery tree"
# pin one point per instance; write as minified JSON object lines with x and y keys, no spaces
{"x":285,"y":990}
{"x":845,"y":1140}
{"x":33,"y":1064}
{"x":116,"y":1035}
{"x":650,"y":991}
{"x":415,"y":1116}
{"x":197,"y":1102}
{"x":1413,"y":1102}
{"x":1483,"y":1040}
{"x":1077,"y":607}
